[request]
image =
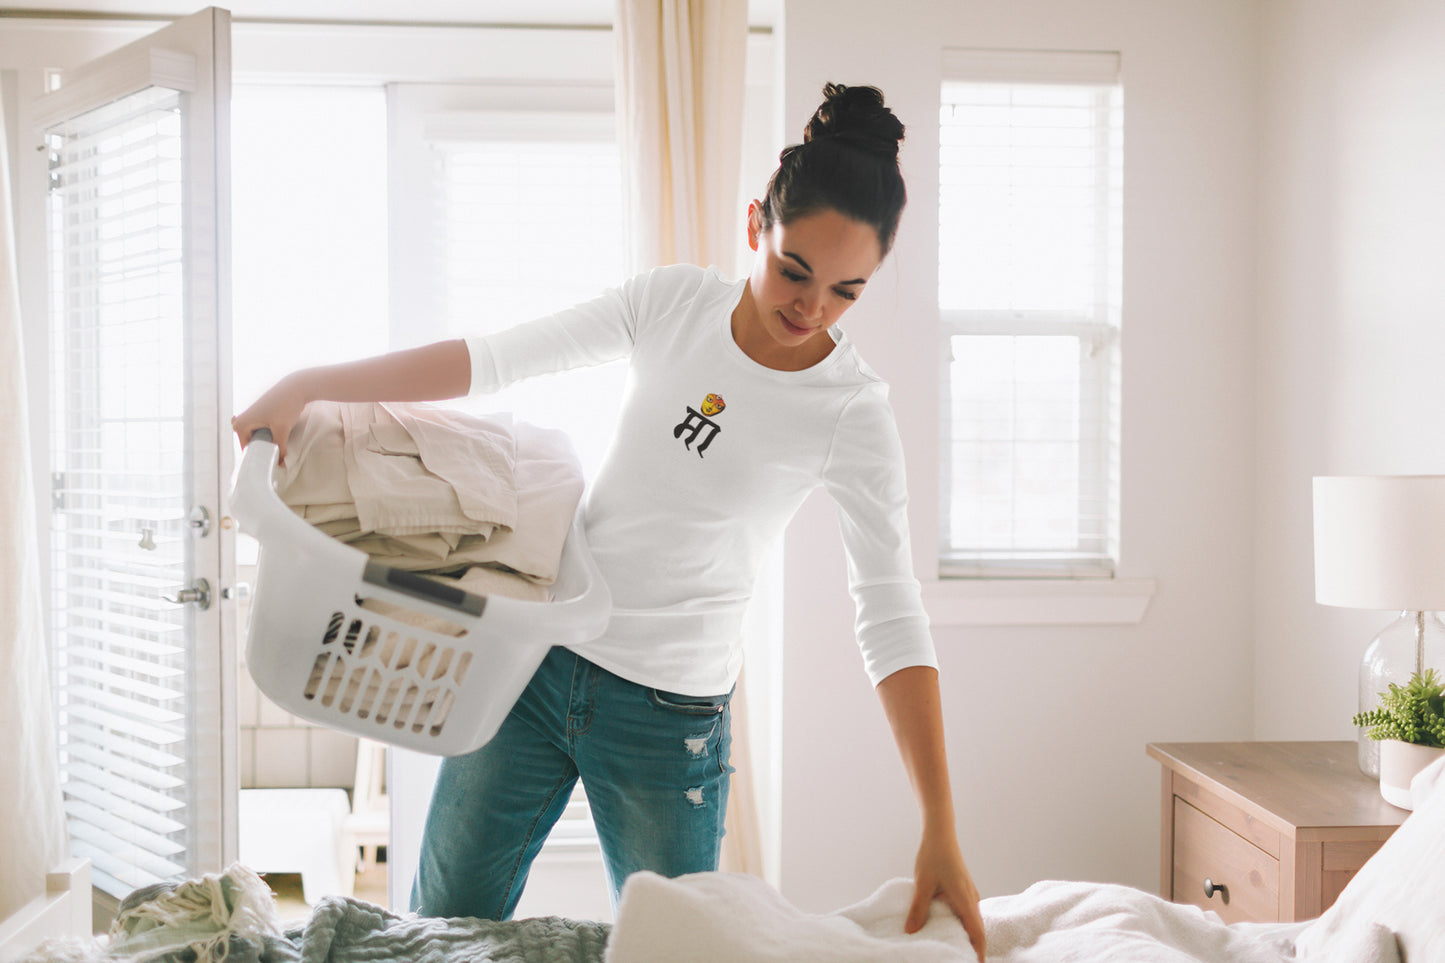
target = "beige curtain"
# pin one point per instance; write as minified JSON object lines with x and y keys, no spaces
{"x":32,"y":824}
{"x":680,"y":112}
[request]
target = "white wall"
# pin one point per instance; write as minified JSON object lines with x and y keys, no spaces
{"x":1047,"y":726}
{"x":1352,"y":313}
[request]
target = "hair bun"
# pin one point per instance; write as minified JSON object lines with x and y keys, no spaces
{"x":856,"y":116}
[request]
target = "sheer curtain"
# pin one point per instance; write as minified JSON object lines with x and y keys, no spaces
{"x":680,"y":114}
{"x":680,"y":86}
{"x":32,"y":822}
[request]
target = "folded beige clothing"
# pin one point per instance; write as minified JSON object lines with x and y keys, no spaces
{"x":314,"y":473}
{"x":396,"y":490}
{"x":415,"y":553}
{"x":549,"y":487}
{"x":411,"y":517}
{"x":360,"y":461}
{"x":325,"y":514}
{"x":464,"y":450}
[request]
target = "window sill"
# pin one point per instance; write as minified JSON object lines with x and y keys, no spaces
{"x":1037,"y":601}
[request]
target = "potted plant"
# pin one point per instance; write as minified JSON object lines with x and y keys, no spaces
{"x":1409,"y":723}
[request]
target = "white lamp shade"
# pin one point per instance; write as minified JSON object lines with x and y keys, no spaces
{"x":1380,"y":541}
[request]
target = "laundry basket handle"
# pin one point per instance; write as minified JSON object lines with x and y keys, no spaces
{"x":261,"y":434}
{"x":422,"y":587}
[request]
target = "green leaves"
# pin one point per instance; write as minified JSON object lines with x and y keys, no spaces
{"x":1414,"y":712}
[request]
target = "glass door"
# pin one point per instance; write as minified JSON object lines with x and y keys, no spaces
{"x":140,"y":583}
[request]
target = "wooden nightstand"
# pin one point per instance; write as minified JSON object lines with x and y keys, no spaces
{"x":1266,"y":831}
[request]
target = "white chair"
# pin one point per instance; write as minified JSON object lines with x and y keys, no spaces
{"x":369,"y":824}
{"x":300,"y":831}
{"x":316,"y":832}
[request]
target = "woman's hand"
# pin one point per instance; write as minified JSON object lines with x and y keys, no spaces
{"x":940,"y":873}
{"x":278,"y":409}
{"x":914,"y":708}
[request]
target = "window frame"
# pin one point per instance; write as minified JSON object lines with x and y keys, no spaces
{"x":1095,"y":553}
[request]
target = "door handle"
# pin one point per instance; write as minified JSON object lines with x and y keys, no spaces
{"x":199,"y":594}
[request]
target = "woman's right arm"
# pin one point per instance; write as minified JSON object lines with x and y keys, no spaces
{"x":433,"y":372}
{"x":593,"y":332}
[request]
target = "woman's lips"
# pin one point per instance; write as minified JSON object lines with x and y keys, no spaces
{"x":791,"y":327}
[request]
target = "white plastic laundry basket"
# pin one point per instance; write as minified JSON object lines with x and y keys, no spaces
{"x":437,"y":671}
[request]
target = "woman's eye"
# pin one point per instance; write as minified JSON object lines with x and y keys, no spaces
{"x":846,"y":295}
{"x":794,"y":275}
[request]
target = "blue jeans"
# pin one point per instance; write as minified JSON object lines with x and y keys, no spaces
{"x":654,"y":764}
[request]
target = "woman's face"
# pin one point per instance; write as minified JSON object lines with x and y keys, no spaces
{"x":806,"y":273}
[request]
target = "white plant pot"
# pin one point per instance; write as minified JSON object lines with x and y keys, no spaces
{"x":1399,"y":762}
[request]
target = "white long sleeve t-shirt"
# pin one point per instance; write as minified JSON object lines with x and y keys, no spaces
{"x":712,"y":456}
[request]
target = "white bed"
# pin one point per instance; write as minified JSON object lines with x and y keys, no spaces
{"x":1393,"y":911}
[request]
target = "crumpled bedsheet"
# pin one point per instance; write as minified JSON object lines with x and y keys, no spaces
{"x":1104,"y":922}
{"x":731,"y":918}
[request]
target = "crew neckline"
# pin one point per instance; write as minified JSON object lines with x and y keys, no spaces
{"x":730,"y":345}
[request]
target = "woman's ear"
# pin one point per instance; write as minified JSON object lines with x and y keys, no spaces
{"x":755,"y":223}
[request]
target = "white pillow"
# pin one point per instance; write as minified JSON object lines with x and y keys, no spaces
{"x":1401,"y":887}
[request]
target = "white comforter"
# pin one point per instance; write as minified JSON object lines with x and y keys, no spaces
{"x":740,"y":919}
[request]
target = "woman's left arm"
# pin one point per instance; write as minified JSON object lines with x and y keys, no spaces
{"x":912,"y":703}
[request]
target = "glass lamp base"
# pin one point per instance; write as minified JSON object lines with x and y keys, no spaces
{"x":1415,"y":641}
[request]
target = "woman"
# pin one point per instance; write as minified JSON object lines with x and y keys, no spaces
{"x":741,"y":398}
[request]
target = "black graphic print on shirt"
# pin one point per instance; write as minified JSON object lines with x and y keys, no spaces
{"x":699,"y":424}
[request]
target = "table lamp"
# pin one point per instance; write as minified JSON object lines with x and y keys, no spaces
{"x":1380,"y":544}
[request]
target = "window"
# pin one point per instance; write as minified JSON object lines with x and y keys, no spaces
{"x":308,"y":227}
{"x":514,"y":212}
{"x":1030,"y":217}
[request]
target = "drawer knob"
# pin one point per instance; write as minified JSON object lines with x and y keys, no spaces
{"x":1211,"y":887}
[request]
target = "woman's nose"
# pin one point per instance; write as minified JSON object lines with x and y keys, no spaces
{"x":810,"y":304}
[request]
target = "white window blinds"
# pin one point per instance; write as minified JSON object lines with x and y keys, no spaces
{"x":120,"y":487}
{"x":530,"y":209}
{"x":1030,"y":219}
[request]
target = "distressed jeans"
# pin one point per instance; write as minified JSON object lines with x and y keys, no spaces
{"x":654,"y":764}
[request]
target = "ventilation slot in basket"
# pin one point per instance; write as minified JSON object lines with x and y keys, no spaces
{"x":390,"y":678}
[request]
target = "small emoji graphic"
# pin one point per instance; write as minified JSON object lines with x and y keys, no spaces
{"x":712,"y":404}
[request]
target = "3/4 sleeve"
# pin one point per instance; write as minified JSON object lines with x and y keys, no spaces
{"x":864,"y":473}
{"x":591,"y":333}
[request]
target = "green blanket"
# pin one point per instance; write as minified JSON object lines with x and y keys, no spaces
{"x":231,"y":918}
{"x":350,"y":931}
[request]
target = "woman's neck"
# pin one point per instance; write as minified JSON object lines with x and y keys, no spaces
{"x":753,"y":339}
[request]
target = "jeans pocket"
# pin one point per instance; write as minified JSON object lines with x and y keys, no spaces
{"x":689,"y":705}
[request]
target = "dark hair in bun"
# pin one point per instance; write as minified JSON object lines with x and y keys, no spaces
{"x":848,"y":161}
